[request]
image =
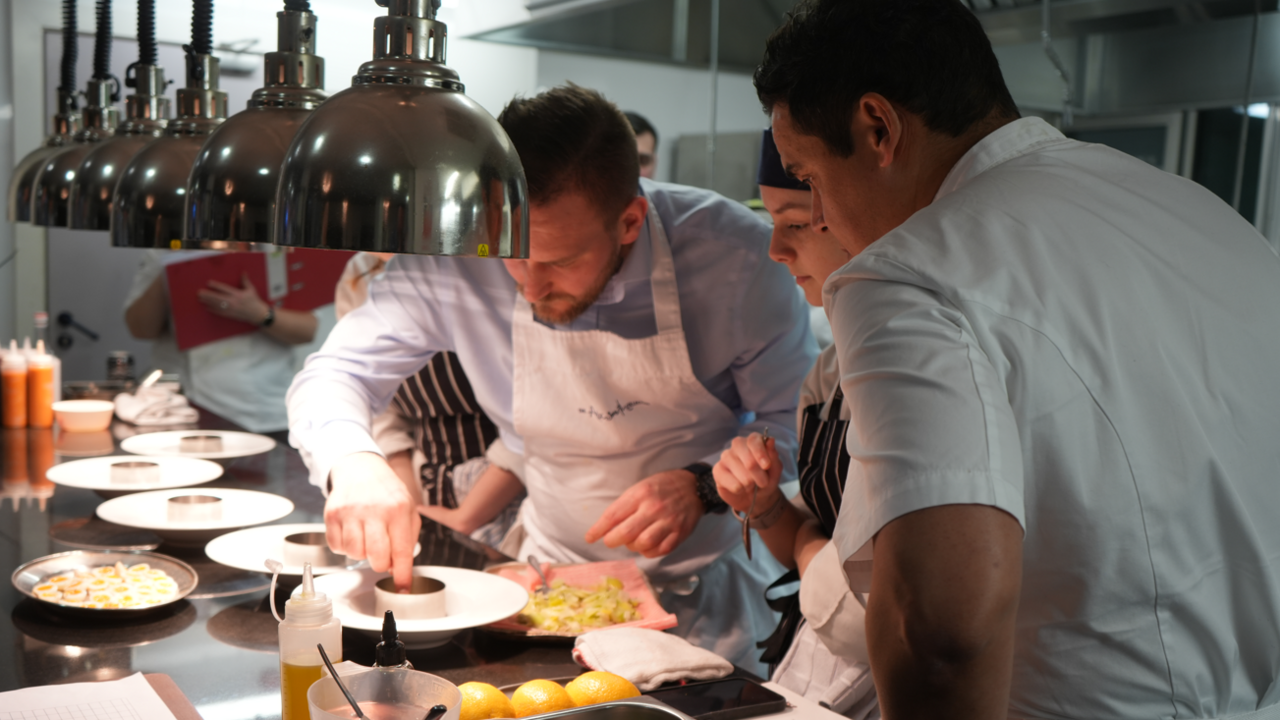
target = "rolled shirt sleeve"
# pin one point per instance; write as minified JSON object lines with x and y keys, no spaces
{"x":931,"y":421}
{"x":354,"y":374}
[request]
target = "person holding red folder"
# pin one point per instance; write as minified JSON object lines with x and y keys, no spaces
{"x":240,"y":373}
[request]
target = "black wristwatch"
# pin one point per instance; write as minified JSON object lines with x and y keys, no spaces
{"x":270,"y":318}
{"x":705,"y":485}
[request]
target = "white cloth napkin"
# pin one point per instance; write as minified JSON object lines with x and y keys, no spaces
{"x":155,"y":406}
{"x":647,"y":658}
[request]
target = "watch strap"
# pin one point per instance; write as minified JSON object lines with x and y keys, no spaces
{"x":705,"y":485}
{"x":270,"y":318}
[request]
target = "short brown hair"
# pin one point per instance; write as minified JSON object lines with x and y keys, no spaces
{"x":571,"y":138}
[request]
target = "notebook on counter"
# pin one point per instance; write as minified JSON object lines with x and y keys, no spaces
{"x":137,"y":697}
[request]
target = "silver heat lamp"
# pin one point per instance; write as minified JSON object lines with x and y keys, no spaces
{"x":231,"y":193}
{"x":403,"y":161}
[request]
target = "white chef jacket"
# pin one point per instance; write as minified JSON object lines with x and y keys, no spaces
{"x":242,"y":379}
{"x":747,"y":329}
{"x":1091,"y":345}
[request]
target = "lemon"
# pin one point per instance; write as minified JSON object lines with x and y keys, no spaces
{"x":482,"y":701}
{"x":597,"y":686}
{"x":540,"y":696}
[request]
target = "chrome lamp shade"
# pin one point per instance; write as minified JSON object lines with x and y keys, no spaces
{"x":231,"y":192}
{"x":149,"y":204}
{"x":51,"y":204}
{"x":22,"y":186}
{"x":403,"y":161}
{"x":150,"y":199}
{"x":94,"y":185}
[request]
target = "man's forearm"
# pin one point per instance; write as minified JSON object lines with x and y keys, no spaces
{"x":941,"y":613}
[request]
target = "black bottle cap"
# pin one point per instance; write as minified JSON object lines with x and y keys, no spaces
{"x":389,"y":652}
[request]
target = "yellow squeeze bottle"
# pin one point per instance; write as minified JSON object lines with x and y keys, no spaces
{"x":308,"y":620}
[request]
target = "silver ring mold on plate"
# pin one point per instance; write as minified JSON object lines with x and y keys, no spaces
{"x":310,"y":547}
{"x":425,"y":599}
{"x":194,"y":508}
{"x":135,"y":472}
{"x":28,"y":575}
{"x":199,"y":444}
{"x":240,"y":509}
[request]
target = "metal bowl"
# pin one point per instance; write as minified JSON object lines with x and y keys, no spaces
{"x":29,"y":575}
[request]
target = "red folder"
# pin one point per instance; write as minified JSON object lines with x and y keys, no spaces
{"x":193,"y":324}
{"x":313,"y":276}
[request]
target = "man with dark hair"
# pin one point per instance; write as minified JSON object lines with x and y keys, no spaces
{"x":1061,"y":364}
{"x":647,"y":330}
{"x":646,"y":143}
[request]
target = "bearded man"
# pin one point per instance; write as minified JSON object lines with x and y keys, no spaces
{"x":647,"y":330}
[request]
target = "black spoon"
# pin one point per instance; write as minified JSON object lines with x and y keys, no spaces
{"x":436,"y":712}
{"x":354,"y":705}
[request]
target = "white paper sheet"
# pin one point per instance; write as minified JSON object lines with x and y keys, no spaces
{"x":130,"y":698}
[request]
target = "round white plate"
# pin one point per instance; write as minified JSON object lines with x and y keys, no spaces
{"x":234,"y":444}
{"x":472,"y":599}
{"x":150,"y":510}
{"x":249,"y":549}
{"x":95,"y":474}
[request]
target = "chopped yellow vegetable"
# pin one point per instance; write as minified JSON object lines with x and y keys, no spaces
{"x":570,"y":609}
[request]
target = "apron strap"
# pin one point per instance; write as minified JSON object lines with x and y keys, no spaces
{"x":662,"y":278}
{"x":776,"y":645}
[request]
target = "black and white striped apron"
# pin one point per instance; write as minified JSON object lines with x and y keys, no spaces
{"x":449,"y":426}
{"x":823,"y":464}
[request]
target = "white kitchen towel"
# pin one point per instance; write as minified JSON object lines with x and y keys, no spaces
{"x":646,"y":657}
{"x":155,"y":406}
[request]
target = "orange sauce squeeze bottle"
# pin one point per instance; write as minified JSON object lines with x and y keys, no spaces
{"x":40,"y":388}
{"x":13,"y":392}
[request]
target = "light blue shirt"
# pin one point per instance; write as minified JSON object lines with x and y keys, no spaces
{"x":746,"y":327}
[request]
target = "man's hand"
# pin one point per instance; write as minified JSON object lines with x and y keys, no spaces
{"x":237,"y":303}
{"x":371,"y":514}
{"x":653,"y":516}
{"x":749,"y":464}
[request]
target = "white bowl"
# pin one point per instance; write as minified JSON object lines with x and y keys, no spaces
{"x":84,"y":415}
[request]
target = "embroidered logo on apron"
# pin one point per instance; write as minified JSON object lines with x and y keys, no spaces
{"x":609,"y":415}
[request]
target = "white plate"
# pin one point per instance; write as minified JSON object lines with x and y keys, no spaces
{"x":249,"y":549}
{"x":234,"y":444}
{"x":95,"y":474}
{"x":150,"y":510}
{"x":472,"y":599}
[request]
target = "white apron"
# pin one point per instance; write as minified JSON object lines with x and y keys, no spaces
{"x":598,"y":413}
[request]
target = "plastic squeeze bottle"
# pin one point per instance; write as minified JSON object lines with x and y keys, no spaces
{"x":40,"y":388}
{"x":390,"y":653}
{"x":308,"y":620}
{"x":13,"y":377}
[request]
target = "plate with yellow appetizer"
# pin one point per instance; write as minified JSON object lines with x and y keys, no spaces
{"x":105,"y":584}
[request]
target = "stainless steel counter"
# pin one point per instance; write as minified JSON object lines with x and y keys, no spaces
{"x":219,"y":645}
